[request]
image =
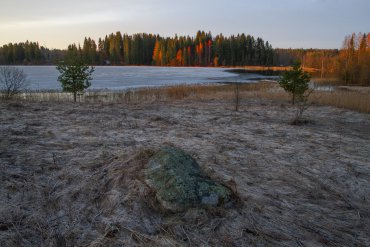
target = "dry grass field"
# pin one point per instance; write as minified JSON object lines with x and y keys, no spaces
{"x":353,"y":98}
{"x":71,"y":173}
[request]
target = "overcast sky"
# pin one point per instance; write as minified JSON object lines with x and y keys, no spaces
{"x":284,"y":23}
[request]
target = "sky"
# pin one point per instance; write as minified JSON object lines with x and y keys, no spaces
{"x":284,"y":23}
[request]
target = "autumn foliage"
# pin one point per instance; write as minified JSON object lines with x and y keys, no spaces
{"x":206,"y":50}
{"x":350,"y":65}
{"x":354,"y":60}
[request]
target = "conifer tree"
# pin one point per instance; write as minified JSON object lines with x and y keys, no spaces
{"x":295,"y":82}
{"x":75,"y":75}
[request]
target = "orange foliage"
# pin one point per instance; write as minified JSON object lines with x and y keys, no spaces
{"x":215,"y":61}
{"x":200,"y":48}
{"x":179,"y":58}
{"x":160,"y":58}
{"x":156,"y":53}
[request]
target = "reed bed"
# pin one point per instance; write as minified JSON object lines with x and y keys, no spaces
{"x":353,"y":98}
{"x":326,"y":81}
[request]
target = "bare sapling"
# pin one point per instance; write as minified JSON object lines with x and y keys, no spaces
{"x":12,"y":81}
{"x":237,"y":95}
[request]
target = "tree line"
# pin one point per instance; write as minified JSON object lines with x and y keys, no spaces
{"x":28,"y":53}
{"x":354,"y":59}
{"x":149,"y":49}
{"x":350,"y":64}
{"x":205,"y":50}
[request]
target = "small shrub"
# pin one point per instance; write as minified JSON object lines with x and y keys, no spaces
{"x":295,"y":82}
{"x":12,"y":81}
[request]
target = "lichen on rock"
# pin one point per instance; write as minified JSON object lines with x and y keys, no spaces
{"x":179,"y":182}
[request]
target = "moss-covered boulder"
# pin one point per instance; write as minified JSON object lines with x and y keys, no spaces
{"x":179,"y":182}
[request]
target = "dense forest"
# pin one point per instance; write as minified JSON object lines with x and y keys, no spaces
{"x":149,"y":49}
{"x":350,"y":64}
{"x":28,"y":53}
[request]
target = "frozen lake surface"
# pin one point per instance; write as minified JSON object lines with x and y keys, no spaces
{"x":120,"y":77}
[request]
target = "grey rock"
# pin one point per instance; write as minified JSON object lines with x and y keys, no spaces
{"x":180,"y":183}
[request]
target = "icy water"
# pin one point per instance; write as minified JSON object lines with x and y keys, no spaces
{"x":118,"y":78}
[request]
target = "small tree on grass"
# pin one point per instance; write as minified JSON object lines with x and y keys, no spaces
{"x":75,"y":76}
{"x":296,"y":82}
{"x":12,"y":81}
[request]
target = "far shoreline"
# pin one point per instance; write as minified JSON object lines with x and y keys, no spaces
{"x":266,"y":70}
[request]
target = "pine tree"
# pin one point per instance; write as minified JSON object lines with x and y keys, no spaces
{"x":295,"y":82}
{"x":75,"y":75}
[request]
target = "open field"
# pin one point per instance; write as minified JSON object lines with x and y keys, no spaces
{"x":71,"y":173}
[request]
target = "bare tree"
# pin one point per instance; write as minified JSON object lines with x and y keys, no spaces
{"x":237,"y":95}
{"x":12,"y":81}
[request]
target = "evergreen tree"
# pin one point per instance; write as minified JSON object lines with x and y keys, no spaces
{"x":295,"y":82}
{"x":75,"y":75}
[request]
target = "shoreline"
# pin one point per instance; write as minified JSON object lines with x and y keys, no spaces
{"x":251,"y":67}
{"x":355,"y":99}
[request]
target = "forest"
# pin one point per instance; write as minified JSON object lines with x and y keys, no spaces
{"x":29,"y":53}
{"x":350,"y":64}
{"x":149,"y":49}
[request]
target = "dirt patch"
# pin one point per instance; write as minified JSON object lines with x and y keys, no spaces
{"x":70,"y":174}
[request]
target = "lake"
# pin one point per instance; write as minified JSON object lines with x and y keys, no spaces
{"x":122,"y":77}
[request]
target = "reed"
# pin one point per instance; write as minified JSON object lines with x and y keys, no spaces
{"x":356,"y":99}
{"x":353,"y":100}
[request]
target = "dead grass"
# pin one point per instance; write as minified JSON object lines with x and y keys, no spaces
{"x":273,"y":68}
{"x":71,"y":172}
{"x":326,"y":81}
{"x":356,"y":99}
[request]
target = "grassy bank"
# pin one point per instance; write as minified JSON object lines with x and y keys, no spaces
{"x":357,"y":100}
{"x":270,"y":70}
